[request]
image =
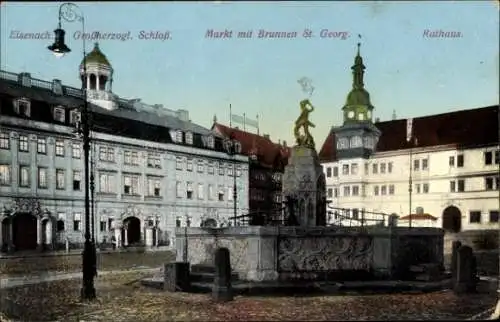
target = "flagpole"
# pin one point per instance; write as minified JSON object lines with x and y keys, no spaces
{"x":230,"y":116}
{"x":410,"y":180}
{"x":258,"y":132}
{"x":244,"y":122}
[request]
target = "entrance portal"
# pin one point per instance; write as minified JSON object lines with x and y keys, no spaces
{"x":452,"y":219}
{"x":24,"y":231}
{"x":133,"y":230}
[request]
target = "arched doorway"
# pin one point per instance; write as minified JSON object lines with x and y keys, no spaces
{"x":452,"y":219}
{"x":209,"y":222}
{"x":24,"y":231}
{"x":131,"y":227}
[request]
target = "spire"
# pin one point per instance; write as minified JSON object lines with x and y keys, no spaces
{"x":215,"y":118}
{"x":393,"y":115}
{"x":358,"y":70}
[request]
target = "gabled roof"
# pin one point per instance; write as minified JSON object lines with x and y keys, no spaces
{"x":465,"y":128}
{"x":269,"y":154}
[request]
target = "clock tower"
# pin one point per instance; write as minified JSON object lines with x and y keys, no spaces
{"x":358,"y":136}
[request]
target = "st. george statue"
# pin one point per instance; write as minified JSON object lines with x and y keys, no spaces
{"x":305,"y":138}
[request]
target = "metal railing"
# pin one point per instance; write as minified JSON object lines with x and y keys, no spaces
{"x":346,"y":217}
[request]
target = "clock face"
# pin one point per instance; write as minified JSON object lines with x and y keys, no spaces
{"x":350,"y":114}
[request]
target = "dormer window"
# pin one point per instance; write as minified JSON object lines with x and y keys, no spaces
{"x":178,"y":136}
{"x":58,"y":114}
{"x":189,"y":138}
{"x":75,"y":117}
{"x":211,"y":142}
{"x":22,"y":107}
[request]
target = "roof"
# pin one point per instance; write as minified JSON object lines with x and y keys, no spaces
{"x":418,"y":217}
{"x":269,"y":154}
{"x":124,"y":121}
{"x":96,"y":56}
{"x":465,"y":128}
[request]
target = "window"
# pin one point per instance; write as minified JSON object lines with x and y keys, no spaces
{"x":59,"y":114}
{"x":488,"y":158}
{"x":188,"y":221}
{"x":178,"y":188}
{"x":211,"y":142}
{"x":4,"y":141}
{"x":475,"y":217}
{"x":189,"y":138}
{"x":77,"y":221}
{"x":416,"y":165}
{"x":22,"y":107}
{"x":417,"y":188}
{"x":102,"y":226}
{"x":106,"y":183}
{"x":75,"y":117}
{"x":178,"y":136}
{"x":230,"y":170}
{"x":460,"y":161}
{"x":221,"y":193}
{"x":355,"y":214}
{"x":131,"y":157}
{"x":4,"y":175}
{"x":178,"y":222}
{"x":366,"y":168}
{"x":77,"y":178}
{"x":135,"y":158}
{"x":497,"y":157}
{"x":110,"y":223}
{"x":238,"y":171}
{"x":61,"y":219}
{"x":335,"y":171}
{"x":389,"y":167}
{"x":347,"y":191}
{"x":60,"y":179}
{"x":345,"y":169}
{"x":425,"y":164}
{"x":451,"y":161}
{"x":376,"y":190}
{"x":200,"y":191}
{"x":59,"y":148}
{"x":461,"y":185}
{"x":328,"y":172}
{"x":354,"y":168}
{"x":330,"y":193}
{"x":391,"y":189}
{"x":106,"y":154}
{"x":425,"y":187}
{"x":382,"y":167}
{"x":154,"y":160}
{"x":383,"y":190}
{"x":221,"y":168}
{"x":189,"y":166}
{"x":201,"y":166}
{"x":189,"y":190}
{"x":211,"y":168}
{"x":130,"y":185}
{"x":210,"y":192}
{"x":76,"y":151}
{"x":375,"y":168}
{"x":41,"y":145}
{"x":335,"y":192}
{"x":42,"y":178}
{"x":23,"y":143}
{"x":154,"y":187}
{"x":355,"y":191}
{"x":493,"y":215}
{"x":178,"y":163}
{"x":24,"y":176}
{"x":489,"y":182}
{"x":230,"y":193}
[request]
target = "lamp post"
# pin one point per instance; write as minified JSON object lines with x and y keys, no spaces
{"x":69,"y":13}
{"x":232,"y":148}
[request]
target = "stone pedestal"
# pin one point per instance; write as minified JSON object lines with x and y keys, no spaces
{"x":176,"y":277}
{"x":304,"y":187}
{"x":222,"y":290}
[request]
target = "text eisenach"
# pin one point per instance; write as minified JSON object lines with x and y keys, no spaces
{"x":94,"y":35}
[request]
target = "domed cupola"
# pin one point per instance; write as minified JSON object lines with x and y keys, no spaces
{"x":358,"y":107}
{"x":97,"y":78}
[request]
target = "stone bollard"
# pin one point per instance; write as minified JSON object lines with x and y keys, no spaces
{"x":454,"y":253}
{"x":222,"y":290}
{"x":465,"y":281}
{"x":176,"y":277}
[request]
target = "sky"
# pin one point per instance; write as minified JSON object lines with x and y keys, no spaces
{"x":406,"y":72}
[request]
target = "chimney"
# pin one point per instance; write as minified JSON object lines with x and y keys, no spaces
{"x":266,"y":136}
{"x":24,"y":79}
{"x":377,"y":120}
{"x":57,"y":87}
{"x":183,"y":115}
{"x":420,"y":210}
{"x":284,"y":143}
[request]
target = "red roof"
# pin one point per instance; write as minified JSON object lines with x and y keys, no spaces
{"x":419,"y":217}
{"x":466,"y":128}
{"x":269,"y":154}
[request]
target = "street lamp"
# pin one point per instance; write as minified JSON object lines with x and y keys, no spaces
{"x":233,"y":148}
{"x":69,"y":12}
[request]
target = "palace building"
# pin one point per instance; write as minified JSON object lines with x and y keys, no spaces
{"x":153,"y":168}
{"x":438,"y":170}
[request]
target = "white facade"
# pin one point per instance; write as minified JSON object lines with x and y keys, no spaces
{"x":441,"y":177}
